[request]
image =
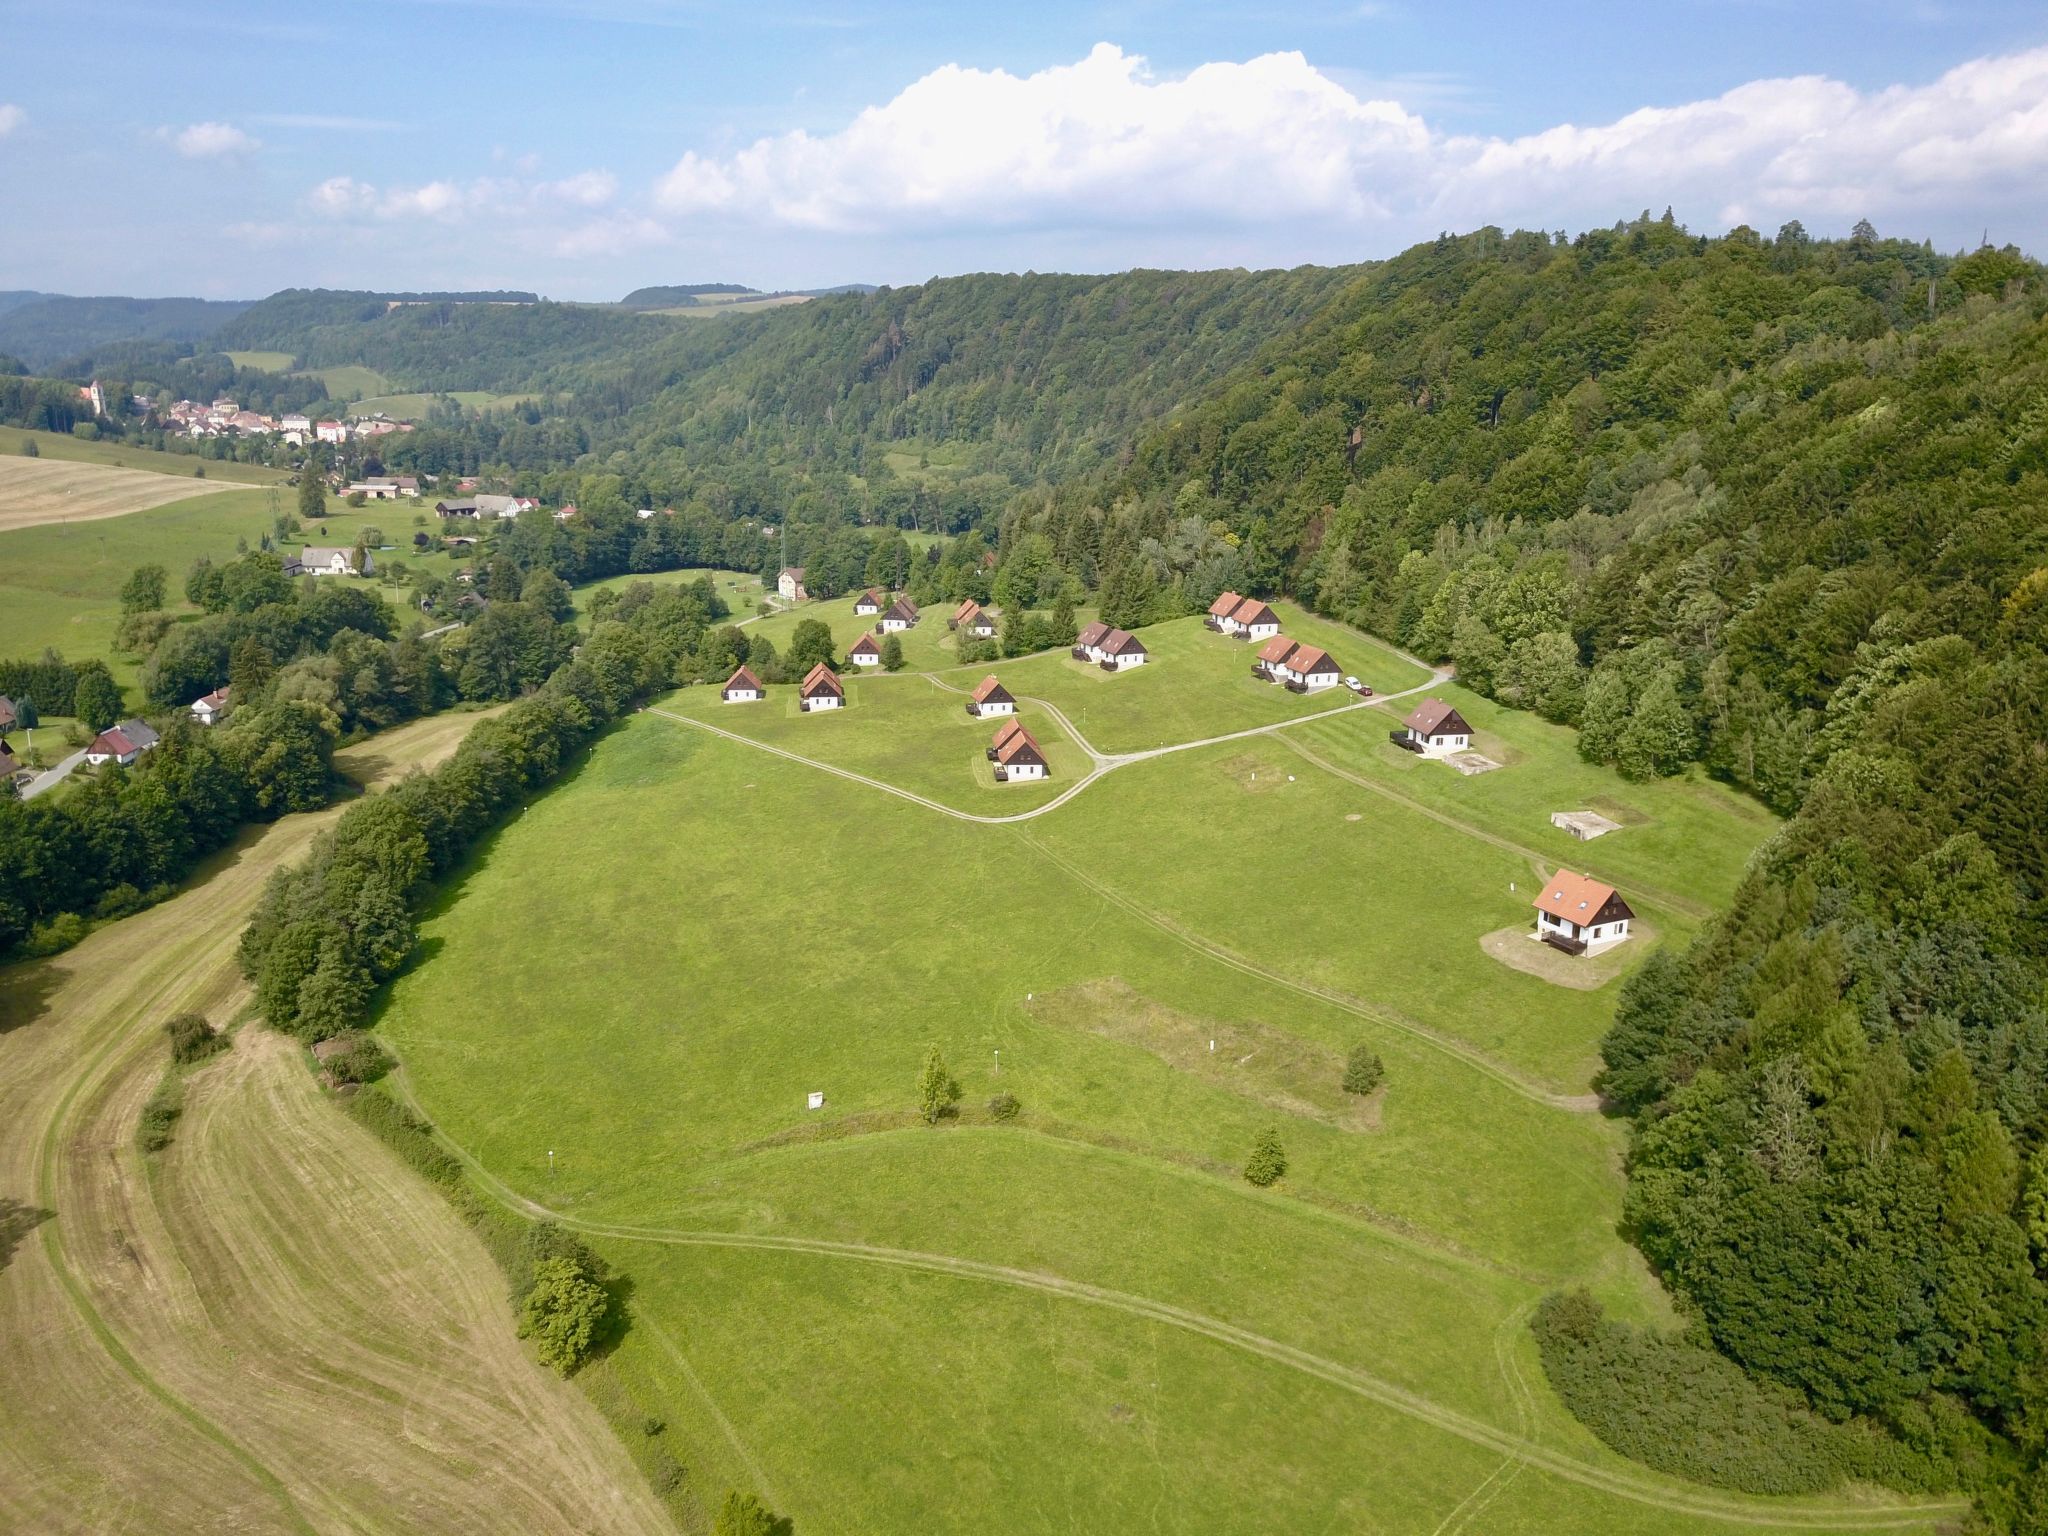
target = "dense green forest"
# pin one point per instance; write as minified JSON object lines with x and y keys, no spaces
{"x":51,"y":327}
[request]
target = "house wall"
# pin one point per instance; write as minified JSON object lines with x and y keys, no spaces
{"x":862,"y":660}
{"x":1262,"y":631}
{"x":1123,"y":662}
{"x":891,"y":626}
{"x":824,"y":701}
{"x":993,"y":709}
{"x":1018,"y":771}
{"x":741,"y":696}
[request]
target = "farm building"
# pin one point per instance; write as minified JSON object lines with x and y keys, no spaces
{"x":1018,"y":759}
{"x":991,"y":699}
{"x":328,"y":560}
{"x":1583,"y":825}
{"x":121,"y":743}
{"x":789,"y":581}
{"x":742,"y":688}
{"x":1577,"y":914}
{"x":1225,"y":605}
{"x":1121,"y":650}
{"x":864,"y":652}
{"x":868,"y":604}
{"x":820,"y":689}
{"x":210,"y":707}
{"x":1250,"y":620}
{"x":1307,"y":669}
{"x":1433,"y":728}
{"x":898,"y":616}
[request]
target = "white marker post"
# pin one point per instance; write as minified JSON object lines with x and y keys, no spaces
{"x":999,"y":1062}
{"x":551,"y":1162}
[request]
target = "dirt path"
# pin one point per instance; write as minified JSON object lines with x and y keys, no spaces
{"x":1619,"y":1481}
{"x":274,"y":1325}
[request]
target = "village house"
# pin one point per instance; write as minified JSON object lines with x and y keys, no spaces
{"x":1119,"y":651}
{"x":1225,"y":605}
{"x":789,"y":581}
{"x":1308,"y":669}
{"x":743,"y":688}
{"x":294,"y":422}
{"x":864,"y":652}
{"x":991,"y":699}
{"x":463,"y":507}
{"x":898,"y":616}
{"x":385,"y":487}
{"x":1579,"y":915}
{"x":8,"y":713}
{"x":121,"y":743}
{"x":820,"y":689}
{"x":331,"y":432}
{"x":210,"y":707}
{"x":1018,"y":759}
{"x":1433,"y":729}
{"x":327,"y":560}
{"x":1004,"y":732}
{"x":503,"y":506}
{"x":973,"y":618}
{"x":982,"y":626}
{"x":1086,"y":642}
{"x":1250,"y":620}
{"x":1272,"y":656}
{"x":868,"y":604}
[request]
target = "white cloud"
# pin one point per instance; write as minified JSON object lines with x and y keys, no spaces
{"x":11,"y":118}
{"x":346,"y":198}
{"x":1232,"y":148}
{"x":206,"y":141}
{"x":343,"y":197}
{"x":586,"y":189}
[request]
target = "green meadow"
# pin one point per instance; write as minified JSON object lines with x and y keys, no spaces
{"x":349,"y":381}
{"x":740,"y":589}
{"x":992,"y":1325}
{"x":54,"y":445}
{"x":928,"y":646}
{"x":407,"y":407}
{"x":267,"y":362}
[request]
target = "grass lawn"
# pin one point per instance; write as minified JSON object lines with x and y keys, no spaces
{"x":901,"y":730}
{"x":267,"y":362}
{"x":927,"y":645}
{"x":52,"y":445}
{"x":776,"y":931}
{"x":1197,"y":684}
{"x":740,"y":589}
{"x":350,"y":381}
{"x":60,"y":583}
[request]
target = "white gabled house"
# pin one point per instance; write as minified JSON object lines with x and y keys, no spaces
{"x":820,"y":689}
{"x":1308,"y":669}
{"x":868,"y":604}
{"x":898,"y":616}
{"x":743,"y":688}
{"x":1120,"y":650}
{"x":789,"y":582}
{"x":864,"y":652}
{"x":121,"y":743}
{"x":328,"y":560}
{"x":1579,"y":915}
{"x":1249,"y":620}
{"x":1017,"y":756}
{"x":1432,"y":729}
{"x":991,"y":699}
{"x":210,"y":707}
{"x":1225,"y":605}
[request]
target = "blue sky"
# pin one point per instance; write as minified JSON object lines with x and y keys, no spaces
{"x":584,"y":147}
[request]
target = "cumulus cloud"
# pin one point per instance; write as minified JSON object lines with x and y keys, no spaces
{"x":1106,"y":144}
{"x":208,"y":141}
{"x":11,"y":118}
{"x":344,"y":197}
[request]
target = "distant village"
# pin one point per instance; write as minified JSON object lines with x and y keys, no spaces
{"x":226,"y":418}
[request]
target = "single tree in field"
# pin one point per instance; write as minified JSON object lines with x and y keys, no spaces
{"x":1363,"y":1069}
{"x":744,"y":1515}
{"x":144,"y":589}
{"x":97,"y":703}
{"x":563,"y":1312}
{"x":937,"y":1089}
{"x":312,"y":490}
{"x":1268,"y":1160}
{"x":892,"y":653}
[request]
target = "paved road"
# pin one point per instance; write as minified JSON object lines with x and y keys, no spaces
{"x":54,"y":777}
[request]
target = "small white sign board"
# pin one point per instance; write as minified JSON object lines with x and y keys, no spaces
{"x":817,"y":1101}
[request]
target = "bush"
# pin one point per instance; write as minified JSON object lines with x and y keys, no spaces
{"x":29,"y":450}
{"x":193,"y":1039}
{"x":1004,"y":1106}
{"x":359,"y":1060}
{"x":745,"y":1515}
{"x":1686,"y":1409}
{"x":563,"y":1312}
{"x":406,"y":1134}
{"x":55,"y":936}
{"x":1268,"y":1160}
{"x":160,"y":1114}
{"x":1363,"y":1070}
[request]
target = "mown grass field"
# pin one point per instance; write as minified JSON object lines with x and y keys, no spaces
{"x":268,"y":362}
{"x":272,"y":1324}
{"x":74,"y":450}
{"x":1084,"y":1318}
{"x":410,"y":407}
{"x":928,"y":646}
{"x":350,"y":381}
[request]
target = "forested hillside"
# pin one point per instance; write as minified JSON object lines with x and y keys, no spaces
{"x":50,"y":328}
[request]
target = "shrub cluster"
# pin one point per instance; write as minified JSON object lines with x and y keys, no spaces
{"x":1686,"y":1409}
{"x":160,"y":1114}
{"x":193,"y":1039}
{"x":1363,"y":1069}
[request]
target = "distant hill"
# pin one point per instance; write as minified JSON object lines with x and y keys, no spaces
{"x":721,"y":295}
{"x":15,"y":298}
{"x":50,"y":328}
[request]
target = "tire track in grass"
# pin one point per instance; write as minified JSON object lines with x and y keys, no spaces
{"x":1622,"y":1484}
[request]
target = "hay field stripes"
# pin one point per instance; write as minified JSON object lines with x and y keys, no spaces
{"x":38,"y":491}
{"x":1645,"y":1490}
{"x":273,"y":1325}
{"x":1104,"y":762}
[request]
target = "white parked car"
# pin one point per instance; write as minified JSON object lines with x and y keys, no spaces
{"x":1363,"y":690}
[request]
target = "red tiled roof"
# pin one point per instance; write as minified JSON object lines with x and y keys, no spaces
{"x":1251,"y":611}
{"x":1092,"y":634}
{"x":1277,"y":649}
{"x":1121,"y":642}
{"x":870,"y":598}
{"x":1010,"y":727}
{"x":743,"y":678}
{"x":1433,"y":717}
{"x":1309,"y":660}
{"x":1577,"y":898}
{"x":1224,"y":604}
{"x":903,"y":608}
{"x":821,"y":679}
{"x":967,"y":610}
{"x":865,"y":645}
{"x":1020,"y":746}
{"x":992,"y":688}
{"x":111,"y":742}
